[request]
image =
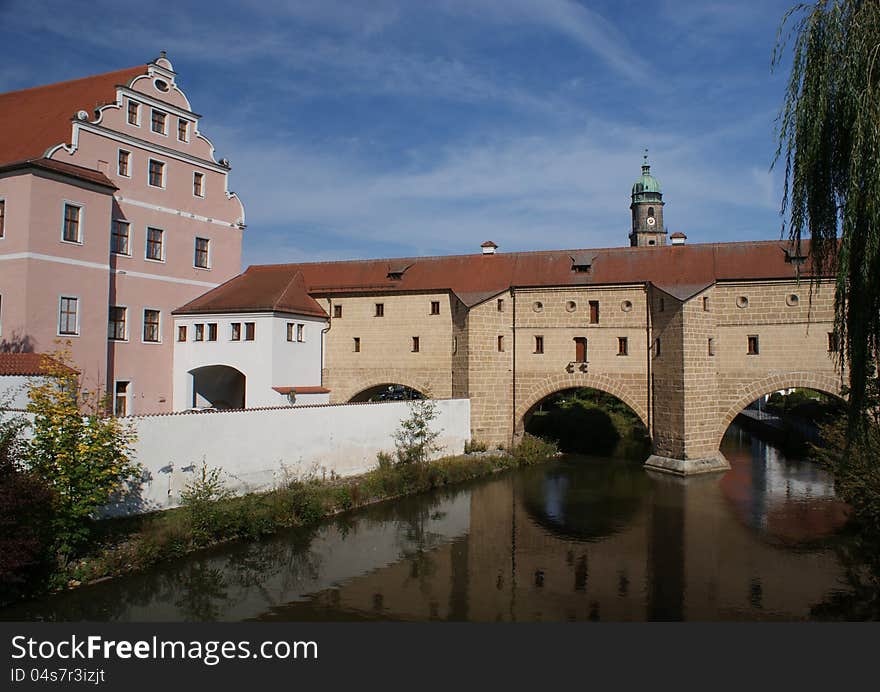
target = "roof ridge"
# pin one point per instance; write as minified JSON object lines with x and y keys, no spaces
{"x":73,"y":81}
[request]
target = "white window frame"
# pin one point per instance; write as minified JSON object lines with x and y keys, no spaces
{"x":204,"y":177}
{"x":128,"y":411}
{"x":127,"y":325}
{"x":164,"y":132}
{"x":144,"y":324}
{"x":78,"y":318}
{"x":164,"y":174}
{"x":81,"y":221}
{"x":196,"y":266}
{"x":119,"y":151}
{"x":128,"y":105}
{"x":112,"y":251}
{"x":3,"y":227}
{"x":147,"y":258}
{"x":300,"y":332}
{"x":188,"y":123}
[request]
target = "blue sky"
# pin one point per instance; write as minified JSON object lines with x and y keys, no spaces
{"x":392,"y":127}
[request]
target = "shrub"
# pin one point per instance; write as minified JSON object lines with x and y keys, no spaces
{"x":201,"y":500}
{"x":415,"y":441}
{"x":533,"y":450}
{"x":471,"y":446}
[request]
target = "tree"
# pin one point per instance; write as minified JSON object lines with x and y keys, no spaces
{"x":415,"y":440}
{"x":82,"y":454}
{"x":829,"y":140}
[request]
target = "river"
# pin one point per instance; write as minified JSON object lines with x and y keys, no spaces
{"x":581,"y":538}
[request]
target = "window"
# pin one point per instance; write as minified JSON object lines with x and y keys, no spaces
{"x":249,"y":328}
{"x":435,"y":307}
{"x":157,"y":122}
{"x":832,"y":342}
{"x":151,"y":326}
{"x":198,"y":184}
{"x":500,"y":343}
{"x":539,"y":344}
{"x":119,"y":238}
{"x":236,"y":332}
{"x":291,"y":331}
{"x":711,"y":346}
{"x":120,"y":399}
{"x":68,"y":317}
{"x":337,"y":311}
{"x":154,"y":244}
{"x":580,"y":349}
{"x":116,"y":323}
{"x":122,"y":163}
{"x":157,"y":173}
{"x":501,"y":305}
{"x":622,"y":346}
{"x":212,"y":331}
{"x":357,"y":344}
{"x":2,"y":217}
{"x":201,"y":256}
{"x":134,"y":113}
{"x":199,"y":334}
{"x":651,"y":211}
{"x":71,"y":231}
{"x":300,"y":332}
{"x":454,"y":345}
{"x":415,"y":344}
{"x":594,"y":312}
{"x":380,"y":309}
{"x":753,"y":345}
{"x":182,"y":130}
{"x":657,"y":347}
{"x":181,"y":333}
{"x":706,"y":303}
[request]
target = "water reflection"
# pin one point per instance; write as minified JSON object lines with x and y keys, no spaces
{"x":582,"y":539}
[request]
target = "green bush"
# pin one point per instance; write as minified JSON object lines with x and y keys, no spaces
{"x":203,"y":503}
{"x":533,"y":450}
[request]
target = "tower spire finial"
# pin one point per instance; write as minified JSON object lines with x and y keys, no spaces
{"x":646,"y":167}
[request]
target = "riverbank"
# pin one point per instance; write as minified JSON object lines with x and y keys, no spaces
{"x":212,"y":517}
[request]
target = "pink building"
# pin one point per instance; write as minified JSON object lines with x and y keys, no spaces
{"x":113,"y":212}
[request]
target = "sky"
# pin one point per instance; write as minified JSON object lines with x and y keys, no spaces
{"x":406,"y":127}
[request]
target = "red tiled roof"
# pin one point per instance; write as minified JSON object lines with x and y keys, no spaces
{"x":681,"y":271}
{"x":68,"y":169}
{"x":678,"y":234}
{"x":36,"y":119}
{"x":302,"y":390}
{"x":28,"y":364}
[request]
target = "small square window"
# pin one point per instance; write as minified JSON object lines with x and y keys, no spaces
{"x":181,"y":333}
{"x":337,"y":311}
{"x":380,"y":309}
{"x":753,"y":345}
{"x":539,"y":344}
{"x":157,"y":122}
{"x":435,"y":307}
{"x":622,"y":346}
{"x":212,"y":331}
{"x":415,"y":344}
{"x":235,"y":334}
{"x":249,"y":330}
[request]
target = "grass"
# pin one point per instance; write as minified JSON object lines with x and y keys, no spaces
{"x":134,"y":543}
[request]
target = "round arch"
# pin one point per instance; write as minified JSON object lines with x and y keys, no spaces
{"x":362,"y":389}
{"x":218,"y":386}
{"x":541,"y":391}
{"x":746,"y":394}
{"x":397,"y":390}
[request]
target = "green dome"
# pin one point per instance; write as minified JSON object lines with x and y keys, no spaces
{"x":647,"y":187}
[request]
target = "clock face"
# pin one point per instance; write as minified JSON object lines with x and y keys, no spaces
{"x":651,"y":220}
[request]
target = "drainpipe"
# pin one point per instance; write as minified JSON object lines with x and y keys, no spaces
{"x":513,"y":372}
{"x":323,"y":334}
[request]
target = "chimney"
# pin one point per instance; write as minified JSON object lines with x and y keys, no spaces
{"x":489,"y":247}
{"x":678,"y":238}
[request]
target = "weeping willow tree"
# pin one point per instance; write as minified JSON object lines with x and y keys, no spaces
{"x":829,"y":141}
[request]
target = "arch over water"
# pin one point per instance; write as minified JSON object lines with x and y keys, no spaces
{"x":746,"y":394}
{"x":552,"y":385}
{"x":388,"y":391}
{"x":218,"y":386}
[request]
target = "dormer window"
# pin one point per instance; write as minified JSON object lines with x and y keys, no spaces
{"x":397,"y":270}
{"x":581,"y":263}
{"x":794,"y":256}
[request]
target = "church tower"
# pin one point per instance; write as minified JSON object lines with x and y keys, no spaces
{"x":647,"y":210}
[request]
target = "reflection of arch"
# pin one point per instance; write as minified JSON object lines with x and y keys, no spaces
{"x":219,"y":386}
{"x":746,"y":394}
{"x":573,"y":381}
{"x":395,"y":390}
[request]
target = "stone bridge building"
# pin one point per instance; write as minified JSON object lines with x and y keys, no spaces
{"x":685,"y":335}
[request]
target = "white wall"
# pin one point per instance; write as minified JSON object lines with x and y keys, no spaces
{"x":14,"y":388}
{"x":270,"y":360}
{"x":258,"y":449}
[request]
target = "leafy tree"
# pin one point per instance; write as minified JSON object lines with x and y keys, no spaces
{"x":415,"y":440}
{"x":82,"y":454}
{"x":829,"y":140}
